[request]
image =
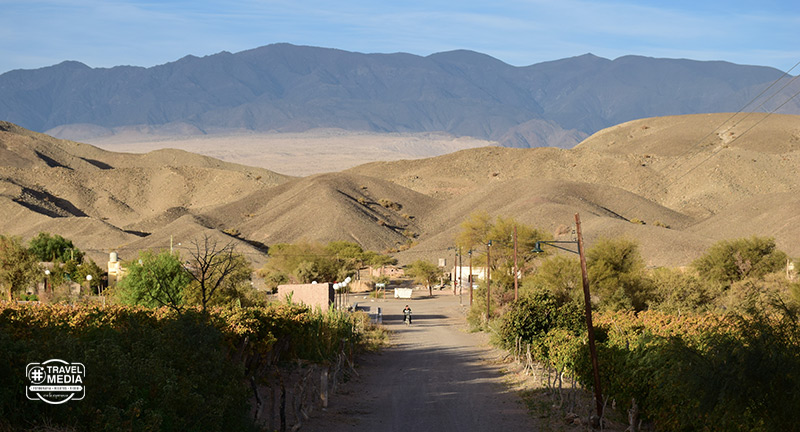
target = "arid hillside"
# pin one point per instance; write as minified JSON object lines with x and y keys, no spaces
{"x":707,"y":177}
{"x":691,"y":180}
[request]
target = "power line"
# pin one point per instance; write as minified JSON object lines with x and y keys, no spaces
{"x":682,"y":158}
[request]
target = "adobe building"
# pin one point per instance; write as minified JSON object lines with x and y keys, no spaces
{"x":318,"y":295}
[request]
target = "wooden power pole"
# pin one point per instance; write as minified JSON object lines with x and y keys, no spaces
{"x":598,"y":394}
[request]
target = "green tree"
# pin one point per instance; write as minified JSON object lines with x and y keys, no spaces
{"x":474,"y":230}
{"x":423,"y":272}
{"x":678,"y":292}
{"x":536,"y":314}
{"x":52,"y":248}
{"x":730,"y":261}
{"x":155,"y":280}
{"x":17,"y":266}
{"x":616,"y":274}
{"x":502,"y":235}
{"x":307,"y":262}
{"x":375,"y":259}
{"x":89,"y":268}
{"x":479,"y":229}
{"x":306,"y":272}
{"x":560,"y":276}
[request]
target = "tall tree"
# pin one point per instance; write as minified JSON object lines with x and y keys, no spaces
{"x":501,"y":233}
{"x":47,"y":247}
{"x":424,"y":272}
{"x":474,"y":230}
{"x":478,"y":229}
{"x":306,"y":262}
{"x":17,"y":266}
{"x":155,"y":280}
{"x":236,"y":288}
{"x":729,"y":261}
{"x":212,"y":267}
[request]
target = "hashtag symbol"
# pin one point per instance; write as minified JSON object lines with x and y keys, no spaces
{"x":37,"y":375}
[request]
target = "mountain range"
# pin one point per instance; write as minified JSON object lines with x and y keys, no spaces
{"x":288,"y":88}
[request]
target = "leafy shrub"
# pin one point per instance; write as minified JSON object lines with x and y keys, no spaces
{"x":616,"y":272}
{"x":157,"y":369}
{"x":533,"y":317}
{"x":561,"y":276}
{"x":701,"y":372}
{"x":730,"y":261}
{"x":679,"y":292}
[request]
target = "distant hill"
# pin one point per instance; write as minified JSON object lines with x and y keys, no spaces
{"x":674,"y":184}
{"x":291,"y":88}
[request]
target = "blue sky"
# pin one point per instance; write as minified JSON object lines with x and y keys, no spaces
{"x":105,"y":33}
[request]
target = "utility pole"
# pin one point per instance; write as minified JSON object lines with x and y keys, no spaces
{"x":469,"y":278}
{"x":460,"y":282}
{"x":598,"y":394}
{"x":488,"y":278}
{"x":516,"y":268}
{"x":455,"y":261}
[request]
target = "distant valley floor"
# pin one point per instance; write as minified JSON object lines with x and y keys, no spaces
{"x":297,"y":154}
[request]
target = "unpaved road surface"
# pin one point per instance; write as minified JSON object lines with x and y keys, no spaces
{"x":435,"y":377}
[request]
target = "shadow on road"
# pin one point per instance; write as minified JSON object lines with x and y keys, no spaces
{"x":435,"y":376}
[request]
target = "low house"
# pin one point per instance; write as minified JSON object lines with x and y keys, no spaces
{"x":462,"y":273}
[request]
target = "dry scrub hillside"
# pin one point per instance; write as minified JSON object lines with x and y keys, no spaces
{"x":691,"y":180}
{"x":375,"y":213}
{"x":113,"y":201}
{"x":707,"y":177}
{"x":108,"y":201}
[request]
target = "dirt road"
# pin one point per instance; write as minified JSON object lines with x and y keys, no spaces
{"x":435,"y":377}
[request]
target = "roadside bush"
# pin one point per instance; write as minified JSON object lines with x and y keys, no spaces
{"x":616,"y":272}
{"x":701,"y":372}
{"x":679,"y":292}
{"x":145,"y":371}
{"x":158,"y":369}
{"x":533,"y":317}
{"x":729,"y":261}
{"x":561,"y":276}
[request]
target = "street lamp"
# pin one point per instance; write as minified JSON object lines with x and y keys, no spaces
{"x":516,"y":266}
{"x":337,"y":300}
{"x":488,"y":277}
{"x":46,"y":274}
{"x":469,"y":277}
{"x":89,"y":283}
{"x":537,"y":248}
{"x":457,"y":254}
{"x":460,"y":281}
